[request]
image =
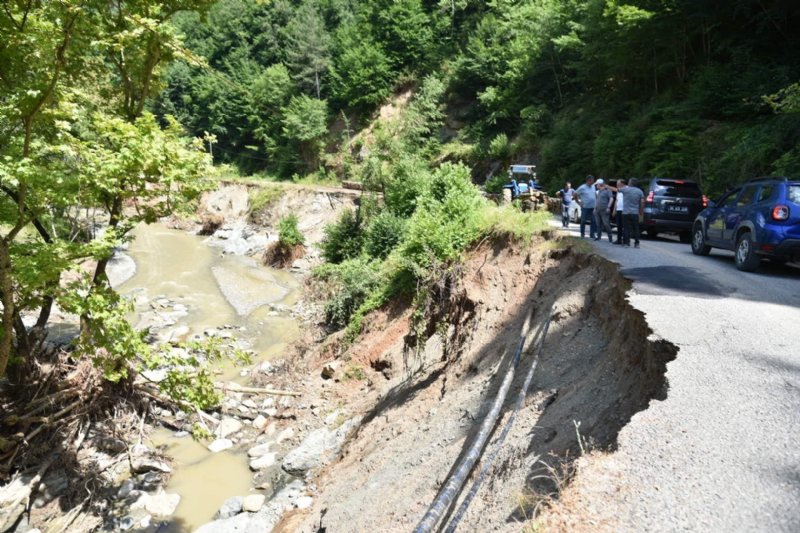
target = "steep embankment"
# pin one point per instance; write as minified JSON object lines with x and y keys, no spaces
{"x":418,"y":408}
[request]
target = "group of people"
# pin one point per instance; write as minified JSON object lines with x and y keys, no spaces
{"x":598,"y":201}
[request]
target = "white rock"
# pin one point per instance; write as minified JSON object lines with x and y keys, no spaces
{"x":162,"y":503}
{"x":265,"y":461}
{"x":260,"y":450}
{"x":253,"y":503}
{"x":141,"y":461}
{"x":220,"y":445}
{"x":227,"y":426}
{"x":319,"y":448}
{"x":250,"y":403}
{"x":286,"y":434}
{"x":155,"y":376}
{"x":304,"y":502}
{"x":260,"y":422}
{"x":231,"y":507}
{"x":125,"y":489}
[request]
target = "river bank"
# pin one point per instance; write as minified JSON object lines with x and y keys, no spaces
{"x":187,"y":286}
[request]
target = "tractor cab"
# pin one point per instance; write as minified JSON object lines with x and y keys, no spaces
{"x":522,"y":180}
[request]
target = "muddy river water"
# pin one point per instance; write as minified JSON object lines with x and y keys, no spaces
{"x":212,"y":291}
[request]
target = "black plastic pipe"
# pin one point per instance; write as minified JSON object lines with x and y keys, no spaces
{"x":523,"y":393}
{"x":449,"y":491}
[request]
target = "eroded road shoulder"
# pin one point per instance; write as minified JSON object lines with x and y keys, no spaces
{"x":720,"y":452}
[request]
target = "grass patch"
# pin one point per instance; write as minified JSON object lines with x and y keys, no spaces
{"x":263,"y":196}
{"x":354,"y":372}
{"x":509,"y":221}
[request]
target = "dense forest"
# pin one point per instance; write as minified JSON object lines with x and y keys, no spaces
{"x":705,"y":90}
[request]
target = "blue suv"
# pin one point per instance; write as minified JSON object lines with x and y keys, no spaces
{"x":758,"y":219}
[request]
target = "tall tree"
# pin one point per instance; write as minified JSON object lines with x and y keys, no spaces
{"x":308,"y":44}
{"x":76,"y":76}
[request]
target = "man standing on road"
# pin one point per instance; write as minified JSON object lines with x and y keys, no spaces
{"x":632,"y":209}
{"x":566,"y":200}
{"x":619,"y":202}
{"x":602,"y":210}
{"x":585,"y":195}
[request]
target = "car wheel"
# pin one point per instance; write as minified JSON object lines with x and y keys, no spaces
{"x":699,"y":246}
{"x":746,"y":257}
{"x":652,"y":232}
{"x":685,"y":237}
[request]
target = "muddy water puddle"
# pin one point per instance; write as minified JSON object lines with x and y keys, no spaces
{"x":183,"y":287}
{"x":179,"y":271}
{"x":203,"y":479}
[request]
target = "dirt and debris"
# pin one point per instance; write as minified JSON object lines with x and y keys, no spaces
{"x":420,"y":399}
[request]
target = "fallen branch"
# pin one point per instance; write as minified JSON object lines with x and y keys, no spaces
{"x":48,"y":421}
{"x":45,"y":402}
{"x":235,"y":387}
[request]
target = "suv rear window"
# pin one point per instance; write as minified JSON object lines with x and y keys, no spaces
{"x":793,"y":193}
{"x":677,"y":189}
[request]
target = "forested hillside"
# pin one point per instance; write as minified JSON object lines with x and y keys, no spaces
{"x":681,"y":88}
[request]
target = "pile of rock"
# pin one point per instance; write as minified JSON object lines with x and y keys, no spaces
{"x":251,"y":513}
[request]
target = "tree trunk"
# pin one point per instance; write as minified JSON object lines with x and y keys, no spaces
{"x":7,"y":298}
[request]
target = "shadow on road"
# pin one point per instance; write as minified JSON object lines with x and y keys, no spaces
{"x":672,"y":279}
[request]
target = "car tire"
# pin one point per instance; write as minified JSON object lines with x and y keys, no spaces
{"x":699,"y":246}
{"x":745,"y":254}
{"x":652,"y":233}
{"x":685,"y":237}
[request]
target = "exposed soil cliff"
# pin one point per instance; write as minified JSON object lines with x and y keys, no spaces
{"x":421,"y":392}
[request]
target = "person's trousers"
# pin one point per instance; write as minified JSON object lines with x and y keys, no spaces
{"x":631,"y":223}
{"x":565,"y":215}
{"x":620,"y":228}
{"x":587,"y":214}
{"x":602,"y":217}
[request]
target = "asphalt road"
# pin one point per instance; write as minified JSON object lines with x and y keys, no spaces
{"x":722,"y":452}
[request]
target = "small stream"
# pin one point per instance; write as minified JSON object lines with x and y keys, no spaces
{"x":185,"y":287}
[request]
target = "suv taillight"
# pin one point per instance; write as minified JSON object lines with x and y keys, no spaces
{"x":705,"y":201}
{"x":780,"y":213}
{"x":650,"y":197}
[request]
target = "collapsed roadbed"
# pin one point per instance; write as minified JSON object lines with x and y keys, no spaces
{"x":421,"y":392}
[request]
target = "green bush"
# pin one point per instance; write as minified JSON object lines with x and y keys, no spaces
{"x":446,"y":222}
{"x":350,"y":283}
{"x":494,"y":185}
{"x":409,"y":181}
{"x":500,"y":148}
{"x":288,"y":233}
{"x":343,"y":239}
{"x":383,"y":234}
